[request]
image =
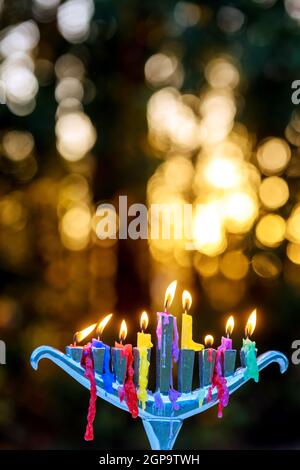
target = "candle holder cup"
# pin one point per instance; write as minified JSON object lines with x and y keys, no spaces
{"x":243,"y":357}
{"x":185,"y":370}
{"x":98,"y":355}
{"x":207,"y":359}
{"x":229,"y":362}
{"x":136,"y":361}
{"x":118,"y":365}
{"x":75,"y":352}
{"x":164,"y":354}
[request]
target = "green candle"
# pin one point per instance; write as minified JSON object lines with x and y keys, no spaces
{"x":249,"y":350}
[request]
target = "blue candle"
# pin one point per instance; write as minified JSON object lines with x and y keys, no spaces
{"x":102,"y":364}
{"x":107,"y":375}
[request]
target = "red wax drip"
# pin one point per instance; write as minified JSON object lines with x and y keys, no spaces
{"x":87,"y":363}
{"x":129,"y":387}
{"x":209,"y":358}
{"x":220,"y":383}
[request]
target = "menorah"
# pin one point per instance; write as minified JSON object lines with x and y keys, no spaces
{"x":123,"y":369}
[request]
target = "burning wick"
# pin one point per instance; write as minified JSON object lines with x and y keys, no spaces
{"x":229,"y":326}
{"x":169,"y":295}
{"x":251,"y":323}
{"x":186,"y":301}
{"x":209,"y":341}
{"x":123,"y":332}
{"x":102,"y":324}
{"x":144,"y":321}
{"x":80,"y":335}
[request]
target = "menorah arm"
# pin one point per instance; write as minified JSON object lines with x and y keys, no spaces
{"x":190,"y":406}
{"x":188,"y":403}
{"x":76,"y":371}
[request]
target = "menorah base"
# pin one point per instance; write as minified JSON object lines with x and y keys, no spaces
{"x":162,"y":434}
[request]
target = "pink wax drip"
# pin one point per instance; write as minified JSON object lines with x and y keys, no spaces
{"x":159,"y":329}
{"x":210,"y":357}
{"x":175,"y":349}
{"x":226,"y":343}
{"x":219,"y":382}
{"x":87,"y":363}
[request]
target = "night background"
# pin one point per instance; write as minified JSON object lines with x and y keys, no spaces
{"x":162,"y":101}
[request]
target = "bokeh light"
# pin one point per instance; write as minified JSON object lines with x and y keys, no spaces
{"x":75,"y":135}
{"x":270,"y":230}
{"x":274,"y":192}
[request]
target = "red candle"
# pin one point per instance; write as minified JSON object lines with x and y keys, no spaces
{"x":128,"y":390}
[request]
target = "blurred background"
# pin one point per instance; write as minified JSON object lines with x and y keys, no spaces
{"x":186,"y":102}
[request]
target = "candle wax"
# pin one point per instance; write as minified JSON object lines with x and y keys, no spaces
{"x":226,"y":343}
{"x":219,"y":381}
{"x":107,"y":375}
{"x":143,"y":376}
{"x":144,"y":340}
{"x":143,"y":344}
{"x":187,"y":334}
{"x":88,"y":364}
{"x":128,"y":390}
{"x":251,"y":371}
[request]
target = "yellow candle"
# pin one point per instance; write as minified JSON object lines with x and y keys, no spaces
{"x":144,"y":340}
{"x":143,"y":344}
{"x":187,"y":341}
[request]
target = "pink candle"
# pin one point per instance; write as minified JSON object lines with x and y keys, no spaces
{"x":226,"y":343}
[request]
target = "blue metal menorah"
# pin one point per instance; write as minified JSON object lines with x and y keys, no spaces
{"x":161,"y":425}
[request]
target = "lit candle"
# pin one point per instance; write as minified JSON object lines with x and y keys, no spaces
{"x":167,"y":342}
{"x":75,"y":351}
{"x":118,"y":359}
{"x":249,"y":351}
{"x":101,"y":354}
{"x":206,"y":362}
{"x":228,"y":353}
{"x":123,"y":366}
{"x":218,"y":379}
{"x":187,"y":325}
{"x":188,"y":347}
{"x":141,"y":356}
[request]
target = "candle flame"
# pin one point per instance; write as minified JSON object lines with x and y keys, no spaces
{"x":80,"y":335}
{"x":209,"y":340}
{"x":251,"y":323}
{"x":229,"y":325}
{"x":102,"y":324}
{"x":144,"y":321}
{"x":186,"y":300}
{"x":123,"y":331}
{"x":170,"y":292}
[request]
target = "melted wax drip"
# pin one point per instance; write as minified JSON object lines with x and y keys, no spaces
{"x":128,"y":391}
{"x":173,"y":396}
{"x":175,"y":349}
{"x":251,"y":371}
{"x":158,"y":402}
{"x":219,"y":382}
{"x":87,"y":363}
{"x":143,"y":376}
